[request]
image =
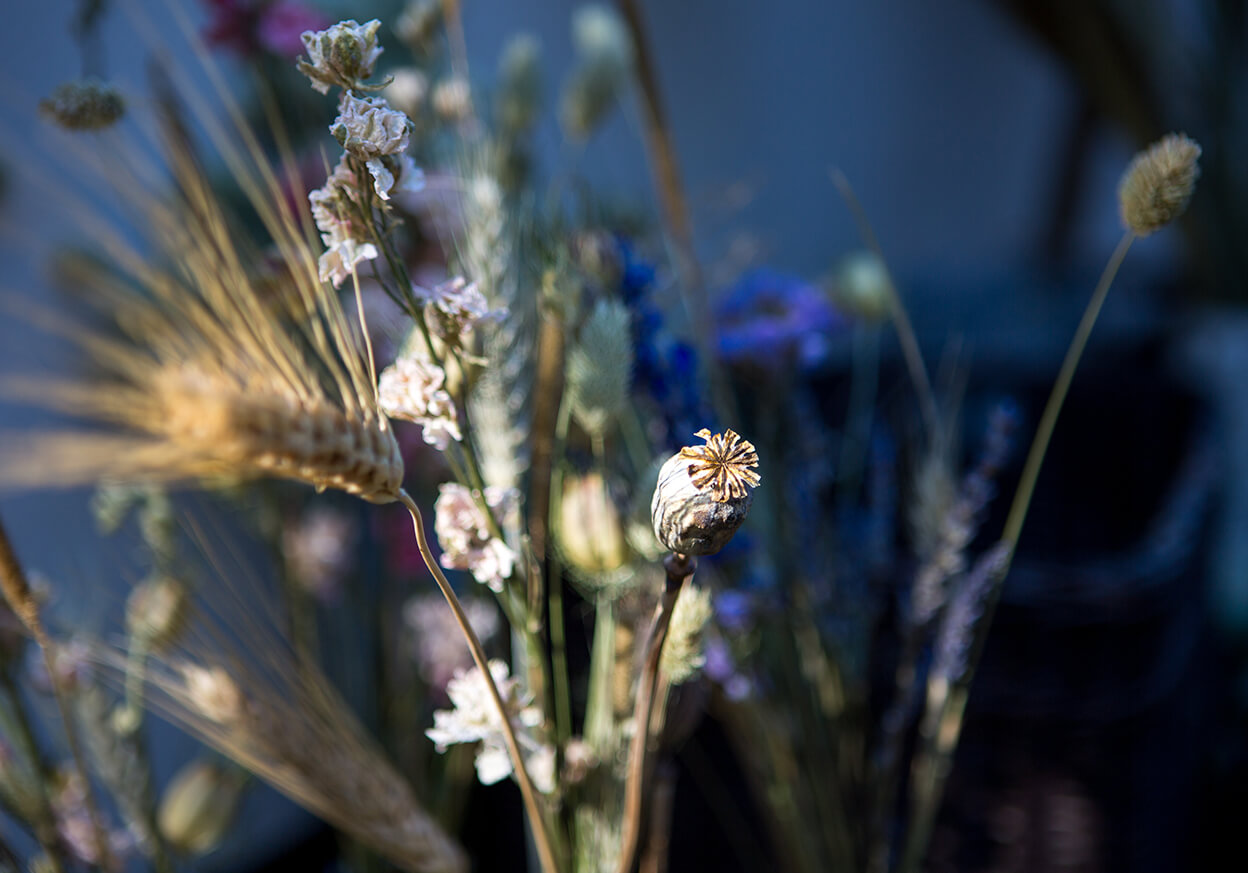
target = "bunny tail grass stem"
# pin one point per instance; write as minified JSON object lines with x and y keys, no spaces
{"x":678,"y":568}
{"x":898,"y":314}
{"x":16,"y":590}
{"x":1048,"y":420}
{"x":537,"y":817}
{"x":942,"y":722}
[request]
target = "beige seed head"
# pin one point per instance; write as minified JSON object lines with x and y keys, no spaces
{"x":206,"y":367}
{"x":198,"y":806}
{"x":1158,"y":183}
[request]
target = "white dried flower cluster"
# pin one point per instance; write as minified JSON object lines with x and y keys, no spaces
{"x":465,"y":536}
{"x":335,"y":211}
{"x":437,"y":644}
{"x":475,"y":719}
{"x":457,"y":306}
{"x":369,"y":129}
{"x":341,"y":55}
{"x":412,"y":389}
{"x":682,"y":651}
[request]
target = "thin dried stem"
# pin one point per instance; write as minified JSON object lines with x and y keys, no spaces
{"x":16,"y":590}
{"x":1057,"y":397}
{"x":900,"y":318}
{"x":679,"y":568}
{"x":942,"y":724}
{"x":533,"y":806}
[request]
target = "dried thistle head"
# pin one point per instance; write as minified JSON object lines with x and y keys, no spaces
{"x":209,"y":369}
{"x":1158,"y":183}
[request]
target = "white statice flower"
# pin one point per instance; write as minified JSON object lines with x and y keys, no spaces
{"x":333,"y":210}
{"x":412,"y":389}
{"x":457,"y":305}
{"x":465,"y":536}
{"x":342,"y":55}
{"x":436,"y":643}
{"x":476,"y":719}
{"x":409,"y":177}
{"x":368,"y":127}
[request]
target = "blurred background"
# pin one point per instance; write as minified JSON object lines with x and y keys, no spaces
{"x":985,"y":140}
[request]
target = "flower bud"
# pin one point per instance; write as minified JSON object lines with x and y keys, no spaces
{"x":704,"y":493}
{"x":1158,"y":183}
{"x":452,"y":99}
{"x":87,"y":104}
{"x":408,"y":90}
{"x":156,"y":611}
{"x":520,"y":88}
{"x":341,"y":56}
{"x":198,"y":806}
{"x":863,"y":287}
{"x":591,"y":535}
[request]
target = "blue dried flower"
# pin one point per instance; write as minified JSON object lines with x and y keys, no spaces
{"x":769,"y":319}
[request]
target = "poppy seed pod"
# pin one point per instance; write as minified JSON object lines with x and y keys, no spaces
{"x":704,"y":493}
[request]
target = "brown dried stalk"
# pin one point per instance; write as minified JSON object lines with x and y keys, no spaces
{"x":274,"y":713}
{"x":16,"y":591}
{"x":678,"y":568}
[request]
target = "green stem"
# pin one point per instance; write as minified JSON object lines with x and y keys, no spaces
{"x":947,"y":698}
{"x":900,"y":318}
{"x":1048,"y":420}
{"x":558,"y":636}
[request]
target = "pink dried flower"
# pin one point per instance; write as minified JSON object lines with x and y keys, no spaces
{"x":411,"y":389}
{"x":437,"y":643}
{"x":457,"y":306}
{"x":465,"y":535}
{"x":247,"y":26}
{"x":334,"y":209}
{"x":319,"y":548}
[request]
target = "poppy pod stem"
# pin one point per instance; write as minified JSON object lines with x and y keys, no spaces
{"x":678,"y":568}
